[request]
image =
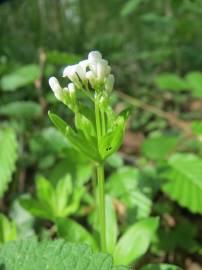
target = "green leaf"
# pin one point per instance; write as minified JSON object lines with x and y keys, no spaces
{"x":194,"y":79}
{"x":135,"y":241}
{"x":7,"y":230}
{"x":197,"y":127}
{"x":81,"y":144}
{"x":161,"y":266}
{"x":8,"y":157}
{"x":22,"y":77}
{"x":111,"y":225}
{"x":184,"y":183}
{"x":158,"y":147}
{"x":111,"y":141}
{"x":129,"y":7}
{"x":129,"y":186}
{"x":74,"y":232}
{"x":63,"y":191}
{"x":169,"y":81}
{"x":21,"y":109}
{"x":52,"y":255}
{"x":58,"y":122}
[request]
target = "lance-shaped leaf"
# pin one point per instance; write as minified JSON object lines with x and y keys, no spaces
{"x":135,"y":241}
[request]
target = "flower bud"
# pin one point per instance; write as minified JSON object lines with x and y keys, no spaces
{"x":56,"y":88}
{"x":84,"y":64}
{"x":70,"y":72}
{"x":102,"y":69}
{"x":94,"y":56}
{"x":71,"y":88}
{"x":109,"y":82}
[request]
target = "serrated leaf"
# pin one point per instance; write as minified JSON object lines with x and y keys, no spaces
{"x":185,"y":181}
{"x":52,"y":255}
{"x":22,"y":77}
{"x":8,"y":157}
{"x":157,"y":148}
{"x":22,"y":109}
{"x":161,"y":266}
{"x":135,"y":241}
{"x":169,"y":81}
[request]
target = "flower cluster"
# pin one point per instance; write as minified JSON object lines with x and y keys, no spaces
{"x":90,"y":74}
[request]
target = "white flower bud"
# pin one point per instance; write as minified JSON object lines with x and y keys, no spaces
{"x":94,"y":56}
{"x":84,"y":64}
{"x":70,"y":72}
{"x":56,"y":88}
{"x":109,"y":82}
{"x":102,"y":69}
{"x":80,"y":72}
{"x":71,"y":88}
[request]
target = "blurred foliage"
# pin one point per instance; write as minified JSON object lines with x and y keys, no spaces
{"x":154,"y":48}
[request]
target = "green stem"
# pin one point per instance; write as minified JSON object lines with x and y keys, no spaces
{"x":101,"y":190}
{"x":101,"y":181}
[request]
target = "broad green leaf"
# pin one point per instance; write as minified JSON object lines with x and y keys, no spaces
{"x":129,"y":7}
{"x":22,"y":77}
{"x":111,"y":225}
{"x":21,"y":109}
{"x":52,"y":255}
{"x":135,"y":241}
{"x":7,"y":230}
{"x":130,"y":187}
{"x":184,"y":183}
{"x":74,"y":232}
{"x":58,"y":122}
{"x":161,"y":266}
{"x":169,"y":81}
{"x":8,"y":157}
{"x":157,"y":148}
{"x":194,"y":80}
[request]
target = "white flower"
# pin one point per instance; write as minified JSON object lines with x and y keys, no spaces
{"x":94,"y":56}
{"x":70,"y":72}
{"x":56,"y":88}
{"x":109,"y":82}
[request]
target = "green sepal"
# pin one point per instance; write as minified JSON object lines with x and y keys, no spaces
{"x":58,"y":122}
